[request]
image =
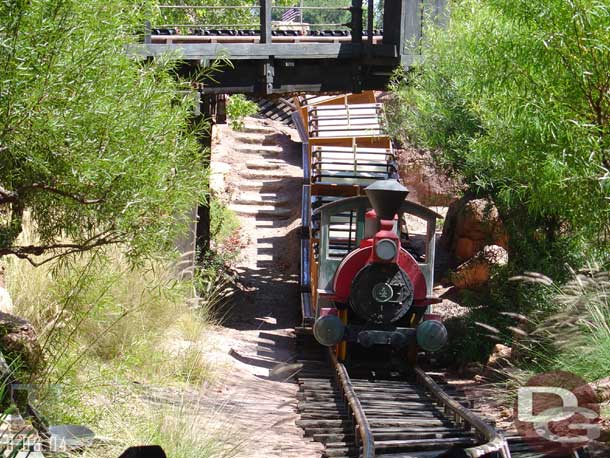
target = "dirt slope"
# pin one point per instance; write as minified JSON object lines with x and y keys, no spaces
{"x":258,"y":173}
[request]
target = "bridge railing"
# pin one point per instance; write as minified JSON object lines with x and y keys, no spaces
{"x":264,"y":19}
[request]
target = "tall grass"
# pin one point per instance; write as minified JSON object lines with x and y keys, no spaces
{"x":105,"y":324}
{"x":185,"y":427}
{"x":575,"y":337}
{"x":580,"y":331}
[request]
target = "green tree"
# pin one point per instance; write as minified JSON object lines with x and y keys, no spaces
{"x":95,"y":147}
{"x":211,"y":13}
{"x":515,"y":96}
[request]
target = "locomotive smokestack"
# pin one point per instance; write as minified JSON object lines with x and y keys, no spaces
{"x":386,"y":197}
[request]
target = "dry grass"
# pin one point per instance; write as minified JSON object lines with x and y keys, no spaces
{"x":185,"y":426}
{"x":575,"y":338}
{"x":105,"y":324}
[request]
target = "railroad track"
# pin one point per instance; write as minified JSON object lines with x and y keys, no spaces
{"x":361,"y":413}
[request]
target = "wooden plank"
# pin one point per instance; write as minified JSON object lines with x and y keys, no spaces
{"x":249,"y":51}
{"x":411,"y":26}
{"x":320,"y":189}
{"x":361,"y":142}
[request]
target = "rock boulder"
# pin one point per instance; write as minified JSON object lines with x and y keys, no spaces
{"x":499,"y":355}
{"x":471,"y":224}
{"x":18,"y":340}
{"x":477,"y":271}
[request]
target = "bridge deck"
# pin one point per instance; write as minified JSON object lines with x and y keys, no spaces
{"x":267,"y":60}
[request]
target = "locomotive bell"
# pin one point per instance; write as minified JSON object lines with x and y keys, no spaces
{"x":386,"y":197}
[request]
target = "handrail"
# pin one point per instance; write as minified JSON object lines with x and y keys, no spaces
{"x":363,"y":428}
{"x":264,"y":8}
{"x":496,"y":442}
{"x":208,"y":7}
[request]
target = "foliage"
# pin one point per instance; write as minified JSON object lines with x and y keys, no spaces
{"x":325,"y":16}
{"x":185,"y":427}
{"x":102,"y":321}
{"x":219,"y":17}
{"x":95,"y":145}
{"x":514,"y":96}
{"x":489,"y":318}
{"x":576,"y":337}
{"x":331,"y":14}
{"x":238,"y":107}
{"x":211,"y":14}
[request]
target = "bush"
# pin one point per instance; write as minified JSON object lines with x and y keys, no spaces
{"x":513,"y":97}
{"x":576,"y":337}
{"x":238,"y":107}
{"x":96,"y":147}
{"x":98,"y":316}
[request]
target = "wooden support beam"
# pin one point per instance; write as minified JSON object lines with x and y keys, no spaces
{"x":265,"y":20}
{"x":411,"y":26}
{"x":356,"y":25}
{"x":402,"y":23}
{"x":252,"y":51}
{"x":147,"y":32}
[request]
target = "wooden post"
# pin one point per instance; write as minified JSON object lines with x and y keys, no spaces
{"x":202,"y":231}
{"x":356,"y":24}
{"x":370,"y":21}
{"x":402,"y":23}
{"x":196,"y":239}
{"x":265,"y":20}
{"x":147,"y":32}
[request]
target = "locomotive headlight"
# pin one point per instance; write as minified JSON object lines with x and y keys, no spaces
{"x":386,"y":249}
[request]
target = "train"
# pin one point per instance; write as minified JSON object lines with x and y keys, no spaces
{"x":365,"y":284}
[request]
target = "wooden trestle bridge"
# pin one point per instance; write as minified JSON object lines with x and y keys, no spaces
{"x":273,"y":57}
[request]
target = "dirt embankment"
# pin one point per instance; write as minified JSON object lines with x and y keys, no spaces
{"x":257,"y":173}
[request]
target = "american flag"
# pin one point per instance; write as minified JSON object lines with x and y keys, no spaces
{"x":290,"y":15}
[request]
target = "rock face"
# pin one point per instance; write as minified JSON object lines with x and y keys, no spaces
{"x":477,"y":271}
{"x":18,"y":339}
{"x":471,"y":224}
{"x":427,"y":184}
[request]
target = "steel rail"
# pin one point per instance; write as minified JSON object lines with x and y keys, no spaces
{"x":205,"y":7}
{"x":330,"y":8}
{"x":230,"y":26}
{"x":364,"y":435}
{"x":496,"y":442}
{"x":201,"y":26}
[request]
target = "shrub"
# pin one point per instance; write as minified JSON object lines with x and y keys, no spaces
{"x":576,"y":337}
{"x":96,"y":146}
{"x":238,"y":107}
{"x":513,"y":96}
